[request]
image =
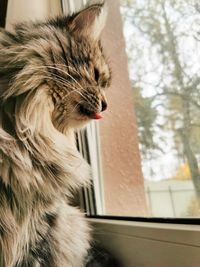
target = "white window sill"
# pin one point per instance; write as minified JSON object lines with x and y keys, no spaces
{"x":144,"y":244}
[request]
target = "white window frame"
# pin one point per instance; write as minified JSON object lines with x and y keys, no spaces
{"x":143,"y":244}
{"x":96,"y":164}
{"x":137,"y":243}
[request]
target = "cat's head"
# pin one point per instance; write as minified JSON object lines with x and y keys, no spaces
{"x":60,"y":64}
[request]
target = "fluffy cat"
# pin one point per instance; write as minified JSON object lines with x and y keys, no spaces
{"x":100,"y":257}
{"x":52,"y":80}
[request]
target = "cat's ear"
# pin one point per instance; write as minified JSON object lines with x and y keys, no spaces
{"x":90,"y":21}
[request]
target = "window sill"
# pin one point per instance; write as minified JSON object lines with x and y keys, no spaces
{"x":149,"y":244}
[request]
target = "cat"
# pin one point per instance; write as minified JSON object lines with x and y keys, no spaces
{"x":52,"y":80}
{"x":100,"y":257}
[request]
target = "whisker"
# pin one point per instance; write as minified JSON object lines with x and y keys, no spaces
{"x":80,"y":86}
{"x":77,"y":105}
{"x":56,"y":68}
{"x":66,"y":83}
{"x":73,"y":90}
{"x":59,"y":79}
{"x":91,"y":86}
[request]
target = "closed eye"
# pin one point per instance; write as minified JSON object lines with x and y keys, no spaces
{"x":96,"y":74}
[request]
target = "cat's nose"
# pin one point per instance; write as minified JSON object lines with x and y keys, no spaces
{"x":103,"y":105}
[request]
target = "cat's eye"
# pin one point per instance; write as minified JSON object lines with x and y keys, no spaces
{"x":96,"y":74}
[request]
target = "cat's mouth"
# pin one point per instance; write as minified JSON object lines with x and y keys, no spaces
{"x":88,"y":113}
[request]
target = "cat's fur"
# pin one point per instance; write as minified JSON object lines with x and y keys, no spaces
{"x":100,"y":257}
{"x":52,"y":79}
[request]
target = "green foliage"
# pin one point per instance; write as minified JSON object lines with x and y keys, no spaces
{"x":146,"y":115}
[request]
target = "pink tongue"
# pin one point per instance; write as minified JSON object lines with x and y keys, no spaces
{"x":97,"y":116}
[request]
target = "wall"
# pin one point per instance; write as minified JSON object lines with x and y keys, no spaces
{"x":19,"y":10}
{"x":123,"y":180}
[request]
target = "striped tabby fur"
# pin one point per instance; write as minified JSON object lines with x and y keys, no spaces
{"x":52,"y":79}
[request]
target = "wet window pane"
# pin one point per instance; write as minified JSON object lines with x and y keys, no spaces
{"x":150,"y":140}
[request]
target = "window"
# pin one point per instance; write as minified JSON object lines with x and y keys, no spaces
{"x":163,"y":47}
{"x":145,"y":154}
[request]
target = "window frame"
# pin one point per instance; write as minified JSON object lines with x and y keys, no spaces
{"x":120,"y":234}
{"x":149,"y":244}
{"x":92,"y":153}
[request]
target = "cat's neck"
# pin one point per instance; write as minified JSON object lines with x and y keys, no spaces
{"x":70,"y":135}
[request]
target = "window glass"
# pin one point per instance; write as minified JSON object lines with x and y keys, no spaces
{"x":150,"y":135}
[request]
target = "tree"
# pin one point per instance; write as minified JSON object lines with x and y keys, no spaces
{"x":146,"y":117}
{"x":165,"y":34}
